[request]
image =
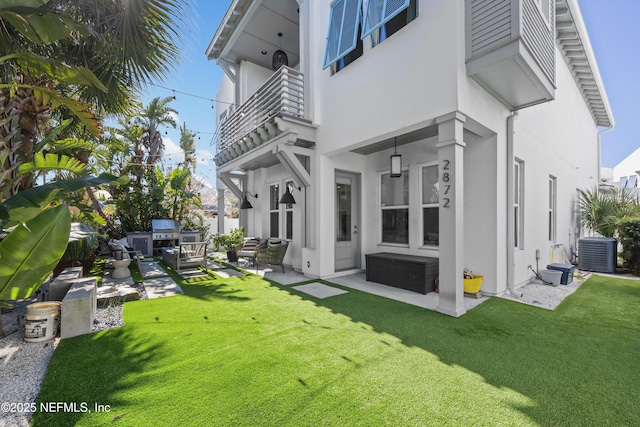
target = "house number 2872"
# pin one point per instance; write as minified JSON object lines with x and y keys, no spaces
{"x":446,"y":179}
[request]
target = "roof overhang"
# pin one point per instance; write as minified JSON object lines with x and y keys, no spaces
{"x":249,"y":31}
{"x":576,"y":49}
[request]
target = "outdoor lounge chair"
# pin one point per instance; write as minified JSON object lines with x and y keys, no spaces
{"x":272,"y":254}
{"x":250,"y":247}
{"x":187,"y":254}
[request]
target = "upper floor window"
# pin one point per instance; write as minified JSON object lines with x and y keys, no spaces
{"x":348,"y":27}
{"x":383,"y":18}
{"x":344,"y":25}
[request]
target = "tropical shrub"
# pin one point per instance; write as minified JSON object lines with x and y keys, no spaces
{"x":600,"y":210}
{"x":629,"y":237}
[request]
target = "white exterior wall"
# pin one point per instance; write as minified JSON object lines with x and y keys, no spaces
{"x":373,"y":96}
{"x":560,"y":139}
{"x":250,"y":78}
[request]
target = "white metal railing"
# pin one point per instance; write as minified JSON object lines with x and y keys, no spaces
{"x":281,"y":94}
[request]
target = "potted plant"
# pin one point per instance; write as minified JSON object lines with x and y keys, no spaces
{"x":231,"y":241}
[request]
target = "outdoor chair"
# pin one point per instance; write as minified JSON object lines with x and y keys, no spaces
{"x":272,"y":254}
{"x":187,"y":254}
{"x":249,"y":248}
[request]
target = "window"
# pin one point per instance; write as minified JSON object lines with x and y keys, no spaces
{"x":344,"y":24}
{"x":518,"y":203}
{"x":394,"y":203}
{"x":274,"y":211}
{"x":289,"y":215}
{"x":383,"y":18}
{"x":430,"y":208}
{"x":545,"y":8}
{"x":552,"y":207}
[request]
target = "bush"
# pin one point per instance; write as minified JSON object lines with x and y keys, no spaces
{"x":629,"y":237}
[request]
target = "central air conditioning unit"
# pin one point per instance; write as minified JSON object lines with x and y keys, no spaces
{"x":599,"y":254}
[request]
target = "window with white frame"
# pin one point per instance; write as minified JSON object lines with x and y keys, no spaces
{"x":274,"y":211}
{"x":430,"y":206}
{"x":553,"y":189}
{"x":383,"y":18}
{"x":288,"y":211}
{"x":394,"y":206}
{"x":518,"y":203}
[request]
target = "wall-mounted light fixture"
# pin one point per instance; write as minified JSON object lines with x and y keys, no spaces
{"x":287,"y":197}
{"x":245,"y":203}
{"x":396,"y":161}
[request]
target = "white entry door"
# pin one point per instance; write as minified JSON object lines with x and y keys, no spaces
{"x":347,"y":232}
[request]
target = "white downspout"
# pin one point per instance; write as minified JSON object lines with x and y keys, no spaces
{"x":510,"y":190}
{"x":600,"y":152}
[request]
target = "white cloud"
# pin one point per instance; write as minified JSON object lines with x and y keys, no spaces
{"x":172,"y":150}
{"x":175,"y":117}
{"x":204,"y":157}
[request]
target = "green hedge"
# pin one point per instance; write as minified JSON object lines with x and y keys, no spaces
{"x":629,"y":237}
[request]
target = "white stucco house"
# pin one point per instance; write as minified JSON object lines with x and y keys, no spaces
{"x":625,"y":174}
{"x":494,"y":107}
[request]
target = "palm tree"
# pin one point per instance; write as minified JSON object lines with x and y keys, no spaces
{"x":124,"y":44}
{"x":156,"y":114}
{"x":188,"y":146}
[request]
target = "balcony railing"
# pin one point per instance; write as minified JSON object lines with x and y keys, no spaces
{"x":281,"y":95}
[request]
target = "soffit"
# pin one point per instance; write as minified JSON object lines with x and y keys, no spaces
{"x":577,"y":52}
{"x":249,"y":31}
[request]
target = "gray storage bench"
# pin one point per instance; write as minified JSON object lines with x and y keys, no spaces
{"x":411,"y":272}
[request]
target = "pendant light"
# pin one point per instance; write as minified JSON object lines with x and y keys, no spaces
{"x":396,"y":161}
{"x":279,"y":57}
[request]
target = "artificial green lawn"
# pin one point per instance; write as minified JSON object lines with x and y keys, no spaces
{"x":247,"y":352}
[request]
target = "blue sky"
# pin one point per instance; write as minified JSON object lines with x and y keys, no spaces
{"x":612,"y":27}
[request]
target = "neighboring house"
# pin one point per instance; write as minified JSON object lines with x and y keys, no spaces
{"x":494,"y":106}
{"x":624,"y":174}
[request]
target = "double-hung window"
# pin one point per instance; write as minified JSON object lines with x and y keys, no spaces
{"x":394,"y":206}
{"x":430,"y":206}
{"x":288,"y":209}
{"x":274,"y":211}
{"x":518,"y":202}
{"x":553,"y":200}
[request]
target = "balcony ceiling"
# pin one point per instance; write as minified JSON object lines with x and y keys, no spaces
{"x":249,"y":31}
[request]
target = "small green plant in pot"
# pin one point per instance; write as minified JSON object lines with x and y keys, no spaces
{"x":230,"y":242}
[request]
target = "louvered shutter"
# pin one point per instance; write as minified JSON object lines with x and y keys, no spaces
{"x":379,"y":12}
{"x":343,"y":29}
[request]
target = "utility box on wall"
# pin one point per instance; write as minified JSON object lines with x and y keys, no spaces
{"x":599,"y":254}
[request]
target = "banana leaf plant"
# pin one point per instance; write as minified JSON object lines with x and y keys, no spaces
{"x":32,"y":249}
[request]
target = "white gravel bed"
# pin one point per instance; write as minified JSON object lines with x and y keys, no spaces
{"x":23,"y":365}
{"x":546,"y":296}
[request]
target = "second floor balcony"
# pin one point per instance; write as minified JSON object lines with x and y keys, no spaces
{"x":261,"y":117}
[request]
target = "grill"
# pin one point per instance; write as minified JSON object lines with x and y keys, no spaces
{"x":165,"y":229}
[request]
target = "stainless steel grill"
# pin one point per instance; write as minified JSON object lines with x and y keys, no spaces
{"x":165,"y":229}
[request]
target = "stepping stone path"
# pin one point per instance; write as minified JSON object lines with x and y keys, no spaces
{"x":157,"y":287}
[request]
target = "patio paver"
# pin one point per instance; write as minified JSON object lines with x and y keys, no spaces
{"x":319,"y":290}
{"x":161,"y":287}
{"x":152,"y":269}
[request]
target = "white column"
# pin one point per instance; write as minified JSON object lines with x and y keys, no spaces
{"x":451,"y":186}
{"x":221,"y":209}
